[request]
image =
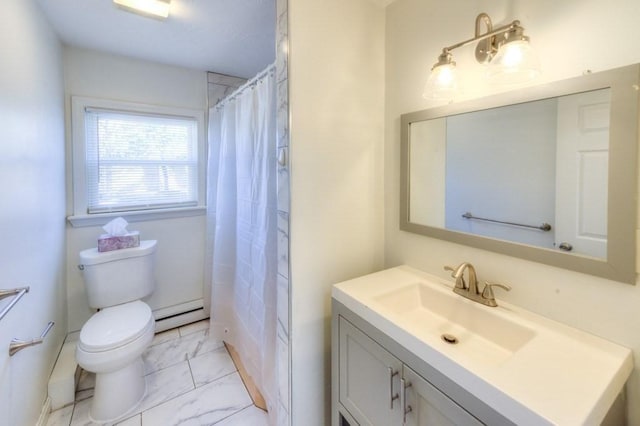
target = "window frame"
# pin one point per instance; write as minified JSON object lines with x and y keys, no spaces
{"x":80,"y":216}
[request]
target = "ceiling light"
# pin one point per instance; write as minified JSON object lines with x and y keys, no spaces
{"x":506,"y":49}
{"x":152,"y":8}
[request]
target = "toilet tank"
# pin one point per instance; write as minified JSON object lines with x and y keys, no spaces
{"x":119,"y":276}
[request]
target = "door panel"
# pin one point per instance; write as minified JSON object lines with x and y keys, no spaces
{"x":582,"y":163}
{"x":427,"y":406}
{"x":369,"y":378}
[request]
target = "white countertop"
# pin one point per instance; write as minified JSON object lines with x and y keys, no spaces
{"x":560,"y":376}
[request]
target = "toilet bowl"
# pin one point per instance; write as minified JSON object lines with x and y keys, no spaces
{"x":111,"y":345}
{"x":113,"y":340}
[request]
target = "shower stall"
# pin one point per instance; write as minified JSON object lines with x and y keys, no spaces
{"x":242,"y":233}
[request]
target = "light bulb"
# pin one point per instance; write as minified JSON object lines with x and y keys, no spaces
{"x":515,"y":62}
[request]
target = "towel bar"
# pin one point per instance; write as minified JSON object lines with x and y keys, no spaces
{"x":544,"y":227}
{"x":17,"y":345}
{"x":17,"y":292}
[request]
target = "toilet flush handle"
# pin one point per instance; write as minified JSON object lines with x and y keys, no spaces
{"x":81,"y":267}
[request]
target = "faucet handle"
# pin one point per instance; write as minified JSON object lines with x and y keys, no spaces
{"x":487,"y":292}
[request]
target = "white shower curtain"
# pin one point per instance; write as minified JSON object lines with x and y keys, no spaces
{"x":241,"y":227}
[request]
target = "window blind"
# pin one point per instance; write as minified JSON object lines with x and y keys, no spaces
{"x":140,"y":161}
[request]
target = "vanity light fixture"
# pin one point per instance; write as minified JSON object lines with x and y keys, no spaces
{"x":152,"y":8}
{"x":506,"y":49}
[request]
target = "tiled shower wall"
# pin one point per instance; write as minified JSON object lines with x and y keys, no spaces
{"x":282,"y":87}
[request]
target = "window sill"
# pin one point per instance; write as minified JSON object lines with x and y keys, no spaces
{"x":100,"y":219}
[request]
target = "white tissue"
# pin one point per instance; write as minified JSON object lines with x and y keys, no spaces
{"x":117,"y":227}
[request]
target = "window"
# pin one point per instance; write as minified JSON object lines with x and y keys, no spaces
{"x":134,"y":158}
{"x":139,"y":162}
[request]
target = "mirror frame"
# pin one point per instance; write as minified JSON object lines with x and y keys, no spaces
{"x":620,"y":264}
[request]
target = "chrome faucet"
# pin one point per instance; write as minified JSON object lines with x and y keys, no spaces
{"x":471,"y":290}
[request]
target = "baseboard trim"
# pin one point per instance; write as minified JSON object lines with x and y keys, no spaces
{"x":44,"y":414}
{"x":254,"y":392}
{"x":178,"y":320}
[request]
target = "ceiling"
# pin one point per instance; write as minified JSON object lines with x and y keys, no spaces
{"x":234,"y":37}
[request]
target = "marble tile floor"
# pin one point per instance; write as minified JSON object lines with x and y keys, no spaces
{"x":191,"y":380}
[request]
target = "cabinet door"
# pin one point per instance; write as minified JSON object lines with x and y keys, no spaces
{"x":425,"y":405}
{"x":369,"y":378}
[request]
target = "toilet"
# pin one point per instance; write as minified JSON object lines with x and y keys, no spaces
{"x":112,"y":341}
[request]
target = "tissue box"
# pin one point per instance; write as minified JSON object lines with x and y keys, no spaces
{"x":108,"y":242}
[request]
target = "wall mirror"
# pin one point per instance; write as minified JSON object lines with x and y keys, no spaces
{"x":548,"y":173}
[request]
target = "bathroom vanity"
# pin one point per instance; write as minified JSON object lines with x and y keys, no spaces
{"x":408,"y":350}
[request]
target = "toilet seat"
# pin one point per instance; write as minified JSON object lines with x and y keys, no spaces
{"x":115,"y":326}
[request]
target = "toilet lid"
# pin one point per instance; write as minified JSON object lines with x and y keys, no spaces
{"x":115,"y":326}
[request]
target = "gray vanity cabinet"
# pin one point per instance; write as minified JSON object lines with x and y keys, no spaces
{"x":369,"y":384}
{"x":375,"y":388}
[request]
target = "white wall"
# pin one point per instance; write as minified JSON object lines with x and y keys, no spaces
{"x":180,"y":253}
{"x":32,"y":195}
{"x":428,"y":147}
{"x":570,"y":37}
{"x":336,"y":73}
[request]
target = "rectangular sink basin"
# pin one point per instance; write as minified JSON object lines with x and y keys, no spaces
{"x":531,"y":369}
{"x":476,"y":331}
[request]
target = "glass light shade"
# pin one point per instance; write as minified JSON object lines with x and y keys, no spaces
{"x":443,"y":82}
{"x":155,"y":8}
{"x":516,"y":62}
